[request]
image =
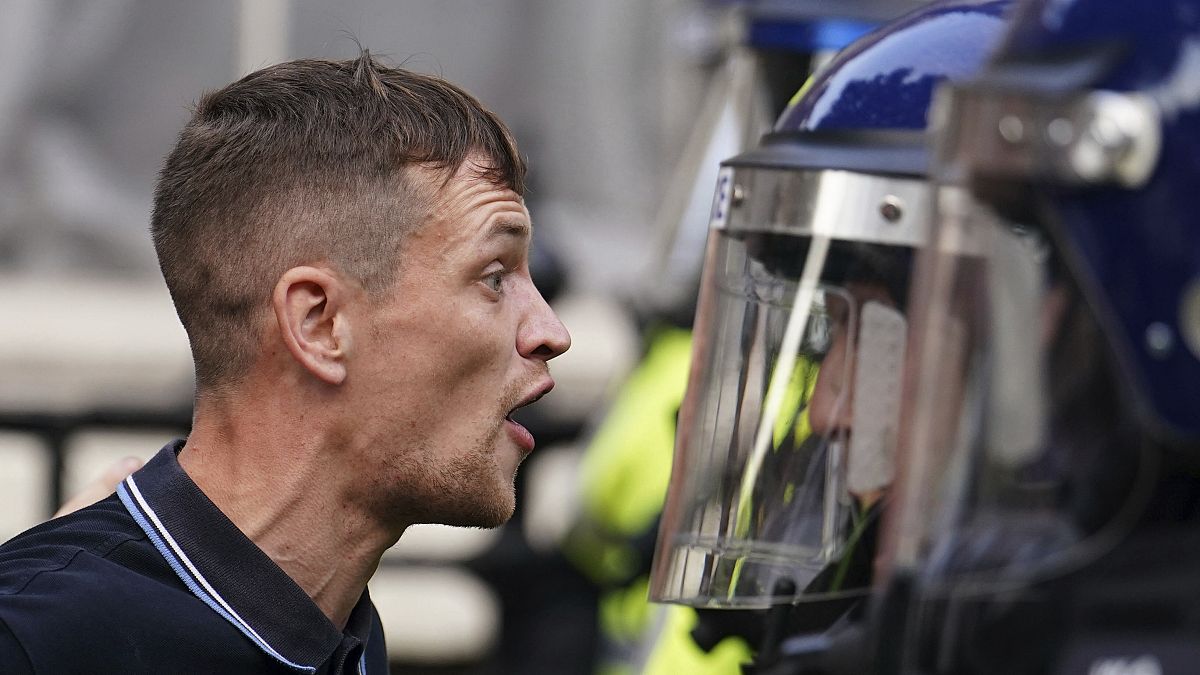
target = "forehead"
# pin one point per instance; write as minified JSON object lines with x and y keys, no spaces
{"x":466,"y":209}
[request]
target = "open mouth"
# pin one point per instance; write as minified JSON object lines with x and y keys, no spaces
{"x":509,"y":416}
{"x":529,"y":400}
{"x":516,"y":430}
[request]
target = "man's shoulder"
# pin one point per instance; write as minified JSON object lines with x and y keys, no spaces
{"x":90,"y":591}
{"x":94,"y":564}
{"x":96,"y":532}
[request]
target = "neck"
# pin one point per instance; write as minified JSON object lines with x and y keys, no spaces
{"x":280,"y":489}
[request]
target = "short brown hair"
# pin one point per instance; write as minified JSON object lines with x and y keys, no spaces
{"x":304,"y":162}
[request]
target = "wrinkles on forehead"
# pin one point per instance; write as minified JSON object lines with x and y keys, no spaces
{"x":463,"y":204}
{"x":468,"y":214}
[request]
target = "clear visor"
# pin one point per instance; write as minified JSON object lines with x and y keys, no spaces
{"x":785,"y":433}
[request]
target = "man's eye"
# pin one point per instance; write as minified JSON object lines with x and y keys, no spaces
{"x":495,"y":280}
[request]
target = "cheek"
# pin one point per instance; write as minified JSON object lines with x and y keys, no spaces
{"x":445,"y":352}
{"x":831,"y":385}
{"x":465,"y":352}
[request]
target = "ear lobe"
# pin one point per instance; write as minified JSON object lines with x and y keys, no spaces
{"x":309,"y":305}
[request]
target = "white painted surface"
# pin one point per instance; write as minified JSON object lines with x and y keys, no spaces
{"x":604,"y":348}
{"x":70,"y":345}
{"x":24,"y":482}
{"x":442,"y":542}
{"x":435,"y":615}
{"x":90,"y":453}
{"x":552,"y":500}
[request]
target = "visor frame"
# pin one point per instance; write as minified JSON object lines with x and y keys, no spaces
{"x":841,"y":205}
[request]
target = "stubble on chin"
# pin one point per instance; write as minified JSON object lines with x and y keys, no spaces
{"x":477,"y":493}
{"x":467,"y":490}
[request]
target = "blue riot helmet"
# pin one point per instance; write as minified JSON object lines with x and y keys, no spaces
{"x":784,"y":439}
{"x":1051,"y":490}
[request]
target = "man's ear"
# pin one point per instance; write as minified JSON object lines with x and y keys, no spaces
{"x":311,"y":310}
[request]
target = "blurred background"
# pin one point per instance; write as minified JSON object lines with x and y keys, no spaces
{"x":624,"y":108}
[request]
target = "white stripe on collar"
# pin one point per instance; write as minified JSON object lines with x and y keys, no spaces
{"x":203,"y":583}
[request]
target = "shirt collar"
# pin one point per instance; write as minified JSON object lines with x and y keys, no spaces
{"x":226,"y":570}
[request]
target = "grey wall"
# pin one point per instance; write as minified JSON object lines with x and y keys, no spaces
{"x":92,"y":93}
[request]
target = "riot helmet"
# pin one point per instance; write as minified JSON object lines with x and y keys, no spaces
{"x":783,"y":451}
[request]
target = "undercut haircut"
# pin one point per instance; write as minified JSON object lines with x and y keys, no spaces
{"x":306,"y":162}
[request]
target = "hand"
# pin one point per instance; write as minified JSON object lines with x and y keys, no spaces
{"x":103,"y":486}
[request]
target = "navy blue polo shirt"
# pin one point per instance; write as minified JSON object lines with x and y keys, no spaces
{"x":155,"y":579}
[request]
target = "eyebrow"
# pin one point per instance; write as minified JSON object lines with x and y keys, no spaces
{"x":509,"y":227}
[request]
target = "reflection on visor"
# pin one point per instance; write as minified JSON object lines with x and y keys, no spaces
{"x":760,"y":510}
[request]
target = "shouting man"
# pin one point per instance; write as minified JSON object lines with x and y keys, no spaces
{"x":346,"y":245}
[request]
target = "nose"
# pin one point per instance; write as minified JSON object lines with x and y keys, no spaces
{"x":542,"y":336}
{"x":830,"y":408}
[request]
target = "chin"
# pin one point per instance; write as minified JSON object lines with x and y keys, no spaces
{"x":481,"y":513}
{"x":483,"y":498}
{"x":473,"y":489}
{"x":497,"y":517}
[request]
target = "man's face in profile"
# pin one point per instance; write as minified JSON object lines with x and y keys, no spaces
{"x":460,"y":341}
